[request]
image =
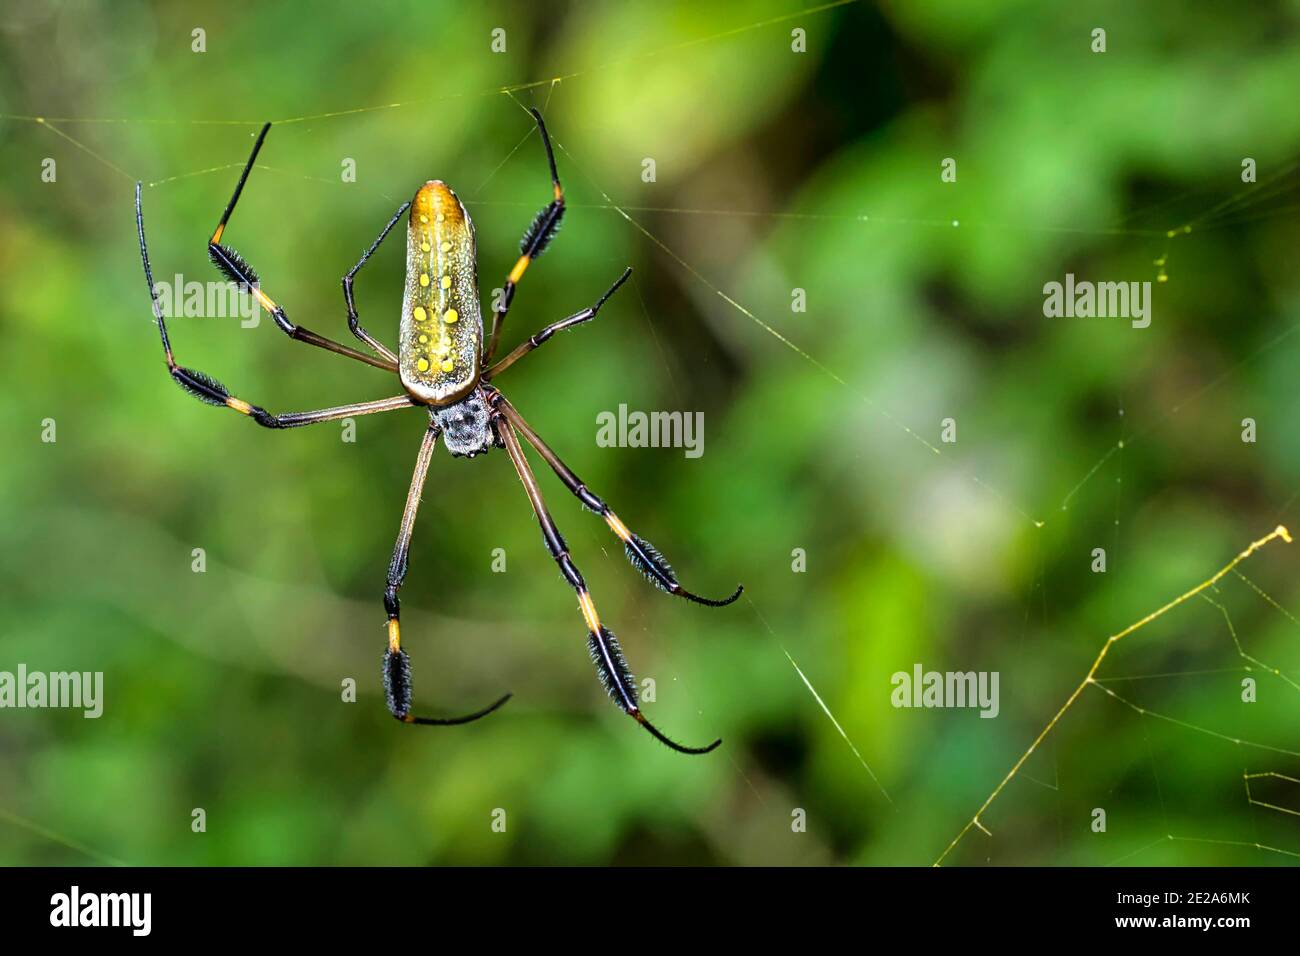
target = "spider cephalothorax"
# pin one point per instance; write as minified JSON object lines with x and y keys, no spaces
{"x":443,"y":366}
{"x":467,"y":427}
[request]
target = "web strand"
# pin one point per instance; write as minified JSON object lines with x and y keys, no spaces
{"x":1278,"y":532}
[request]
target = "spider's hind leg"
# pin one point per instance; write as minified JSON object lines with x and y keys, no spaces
{"x":235,"y":268}
{"x":209,"y":391}
{"x":354,"y":321}
{"x":534,"y":243}
{"x":538,"y":338}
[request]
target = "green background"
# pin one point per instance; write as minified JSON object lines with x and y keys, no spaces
{"x":775,"y":170}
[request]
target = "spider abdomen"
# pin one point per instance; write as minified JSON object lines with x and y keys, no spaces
{"x":442,"y":327}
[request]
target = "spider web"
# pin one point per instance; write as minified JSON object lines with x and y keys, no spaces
{"x":1269,"y":775}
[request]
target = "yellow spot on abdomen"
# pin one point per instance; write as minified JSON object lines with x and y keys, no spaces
{"x":448,"y":365}
{"x":450,"y":316}
{"x":422,"y":365}
{"x":445,"y":246}
{"x":446,"y":282}
{"x":419,"y":314}
{"x":424,"y":279}
{"x":424,"y":246}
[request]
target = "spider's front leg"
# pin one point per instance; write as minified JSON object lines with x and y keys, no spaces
{"x":644,"y":556}
{"x":603,"y":646}
{"x":397,"y":665}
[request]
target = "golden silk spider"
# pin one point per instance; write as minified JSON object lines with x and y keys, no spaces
{"x":444,"y":368}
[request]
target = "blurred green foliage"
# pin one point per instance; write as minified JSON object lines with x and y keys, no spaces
{"x":775,"y":170}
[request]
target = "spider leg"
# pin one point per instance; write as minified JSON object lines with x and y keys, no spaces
{"x":238,"y":271}
{"x":643,"y":555}
{"x":397,"y":666}
{"x":533,"y":244}
{"x":353,"y":322}
{"x":603,"y":646}
{"x":586,"y":315}
{"x":207,"y":389}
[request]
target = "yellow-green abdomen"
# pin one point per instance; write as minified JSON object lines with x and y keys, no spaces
{"x":442,"y":327}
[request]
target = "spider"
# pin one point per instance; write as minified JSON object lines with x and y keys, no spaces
{"x":444,"y":368}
